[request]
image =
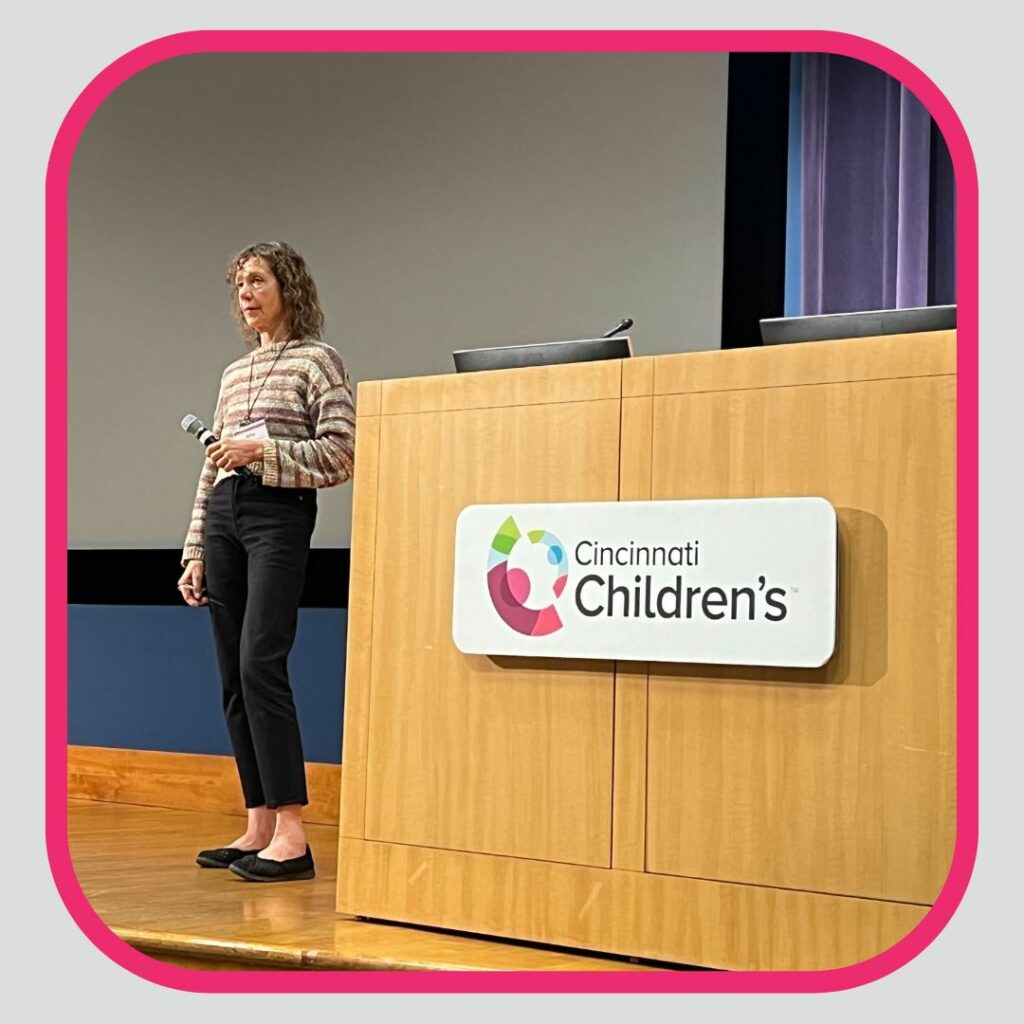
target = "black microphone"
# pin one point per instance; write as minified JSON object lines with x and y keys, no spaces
{"x":194,"y":425}
{"x":619,"y":328}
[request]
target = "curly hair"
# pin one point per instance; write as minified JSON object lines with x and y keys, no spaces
{"x":298,"y":290}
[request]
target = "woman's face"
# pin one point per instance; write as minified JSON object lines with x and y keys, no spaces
{"x":259,"y":295}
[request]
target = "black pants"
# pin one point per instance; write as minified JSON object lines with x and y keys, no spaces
{"x":257,"y":545}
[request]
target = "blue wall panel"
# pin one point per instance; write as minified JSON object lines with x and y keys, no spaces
{"x":145,"y":678}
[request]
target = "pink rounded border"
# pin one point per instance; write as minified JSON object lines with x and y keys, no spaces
{"x":56,"y":506}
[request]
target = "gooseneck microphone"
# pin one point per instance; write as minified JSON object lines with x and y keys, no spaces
{"x":194,"y":425}
{"x":619,"y":328}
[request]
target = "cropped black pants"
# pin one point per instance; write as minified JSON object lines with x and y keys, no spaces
{"x":257,"y":545}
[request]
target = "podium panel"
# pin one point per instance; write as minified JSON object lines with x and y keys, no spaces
{"x":838,"y":779}
{"x":465,"y":753}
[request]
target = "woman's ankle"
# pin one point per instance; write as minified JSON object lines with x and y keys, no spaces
{"x":259,"y":828}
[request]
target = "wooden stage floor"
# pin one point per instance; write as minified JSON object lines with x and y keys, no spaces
{"x":137,"y":867}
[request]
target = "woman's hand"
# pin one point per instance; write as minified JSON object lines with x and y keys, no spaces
{"x":232,"y":453}
{"x":190,"y":585}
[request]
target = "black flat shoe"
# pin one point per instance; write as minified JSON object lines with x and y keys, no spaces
{"x":222,"y":857}
{"x":254,"y":868}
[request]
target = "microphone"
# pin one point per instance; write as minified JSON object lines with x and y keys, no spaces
{"x":194,"y":425}
{"x":619,"y":328}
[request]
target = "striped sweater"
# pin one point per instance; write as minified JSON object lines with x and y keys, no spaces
{"x":306,"y":400}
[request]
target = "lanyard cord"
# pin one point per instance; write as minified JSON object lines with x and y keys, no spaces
{"x":248,"y":395}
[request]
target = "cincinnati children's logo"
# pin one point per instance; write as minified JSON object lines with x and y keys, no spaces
{"x":524,"y":604}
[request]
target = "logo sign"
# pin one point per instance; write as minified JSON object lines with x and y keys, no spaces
{"x":748,"y":581}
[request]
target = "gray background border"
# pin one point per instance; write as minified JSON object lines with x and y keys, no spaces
{"x":969,"y":968}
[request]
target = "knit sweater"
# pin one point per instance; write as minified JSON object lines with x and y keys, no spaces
{"x":306,"y":399}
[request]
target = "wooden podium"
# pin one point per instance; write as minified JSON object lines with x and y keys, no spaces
{"x":729,"y":817}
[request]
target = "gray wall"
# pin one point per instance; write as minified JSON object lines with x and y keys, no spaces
{"x":442,"y":201}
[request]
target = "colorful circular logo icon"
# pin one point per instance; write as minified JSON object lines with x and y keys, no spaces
{"x":510,"y":588}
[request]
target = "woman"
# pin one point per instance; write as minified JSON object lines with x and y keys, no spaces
{"x":285,"y":414}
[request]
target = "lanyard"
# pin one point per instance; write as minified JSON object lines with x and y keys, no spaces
{"x":251,"y":402}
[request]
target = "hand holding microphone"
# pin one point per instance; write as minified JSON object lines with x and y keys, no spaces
{"x":231,"y":454}
{"x":234,"y":454}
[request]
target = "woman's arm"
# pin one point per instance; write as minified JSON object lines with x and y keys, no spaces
{"x":194,"y":545}
{"x":327,"y":458}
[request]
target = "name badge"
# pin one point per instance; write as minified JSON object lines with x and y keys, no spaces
{"x":255,"y":431}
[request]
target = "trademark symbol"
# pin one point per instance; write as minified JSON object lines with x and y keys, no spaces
{"x":794,"y":590}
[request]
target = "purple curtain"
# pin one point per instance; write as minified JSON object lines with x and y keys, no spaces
{"x":877,"y":201}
